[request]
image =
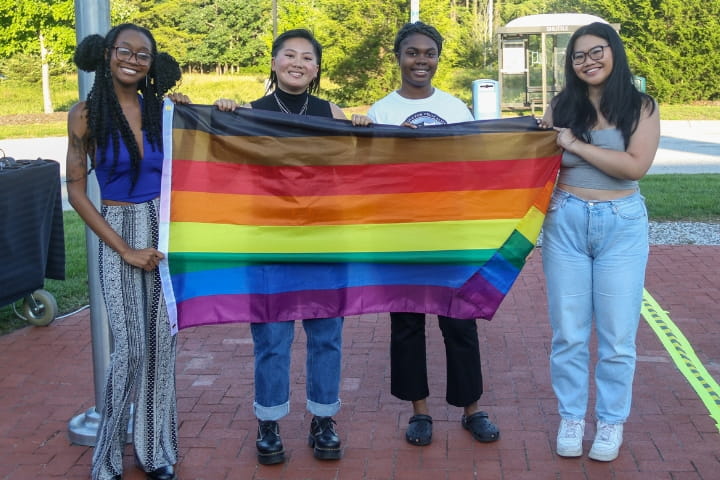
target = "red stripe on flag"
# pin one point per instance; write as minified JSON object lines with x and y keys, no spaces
{"x":360,"y":179}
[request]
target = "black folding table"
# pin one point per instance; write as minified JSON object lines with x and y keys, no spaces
{"x":32,"y":244}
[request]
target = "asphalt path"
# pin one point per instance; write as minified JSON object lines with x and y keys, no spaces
{"x":686,"y":146}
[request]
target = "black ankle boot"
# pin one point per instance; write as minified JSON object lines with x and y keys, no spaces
{"x":269,"y":444}
{"x":162,"y":473}
{"x":323,"y":439}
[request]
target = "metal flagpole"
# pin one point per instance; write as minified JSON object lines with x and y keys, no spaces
{"x":92,"y":16}
{"x":414,"y":11}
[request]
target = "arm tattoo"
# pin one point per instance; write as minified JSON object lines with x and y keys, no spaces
{"x":79,"y":144}
{"x":71,"y":180}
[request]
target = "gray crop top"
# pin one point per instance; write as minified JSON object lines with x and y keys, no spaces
{"x":576,"y":172}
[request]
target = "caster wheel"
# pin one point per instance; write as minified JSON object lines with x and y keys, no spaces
{"x":40,"y":308}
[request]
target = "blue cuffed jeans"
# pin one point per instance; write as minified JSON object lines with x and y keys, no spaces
{"x":594,"y":257}
{"x":272,"y":366}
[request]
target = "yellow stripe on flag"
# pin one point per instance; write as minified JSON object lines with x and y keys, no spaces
{"x":435,"y":236}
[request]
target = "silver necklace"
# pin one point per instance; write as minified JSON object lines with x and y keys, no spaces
{"x":285,"y":109}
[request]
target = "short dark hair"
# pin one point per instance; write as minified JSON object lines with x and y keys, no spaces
{"x":421,"y":28}
{"x":298,"y":33}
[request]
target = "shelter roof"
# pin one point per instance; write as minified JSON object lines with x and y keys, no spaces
{"x":551,"y":23}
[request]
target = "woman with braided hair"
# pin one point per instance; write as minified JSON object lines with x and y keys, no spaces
{"x":119,"y":128}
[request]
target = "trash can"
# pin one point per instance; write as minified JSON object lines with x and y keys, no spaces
{"x":486,"y":99}
{"x":640,"y":83}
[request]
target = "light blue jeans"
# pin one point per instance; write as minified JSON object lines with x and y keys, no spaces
{"x":594,"y":257}
{"x":272,"y":367}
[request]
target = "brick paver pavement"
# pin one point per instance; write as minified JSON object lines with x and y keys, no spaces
{"x":46,"y":379}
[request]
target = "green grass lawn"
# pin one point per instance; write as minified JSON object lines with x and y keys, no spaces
{"x":669,"y":198}
{"x":22,"y":109}
{"x":682,"y":197}
{"x":18,"y":97}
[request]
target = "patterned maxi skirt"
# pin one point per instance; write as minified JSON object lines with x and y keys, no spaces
{"x":142,"y":364}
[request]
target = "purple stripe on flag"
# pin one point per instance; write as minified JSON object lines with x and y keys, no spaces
{"x":299,"y":305}
{"x":479,"y":291}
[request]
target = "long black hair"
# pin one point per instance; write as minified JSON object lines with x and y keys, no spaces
{"x":621,"y":103}
{"x":106,"y":121}
{"x":278,"y":44}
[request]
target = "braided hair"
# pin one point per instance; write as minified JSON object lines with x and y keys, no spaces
{"x":278,"y":44}
{"x":421,"y":28}
{"x":106,"y":121}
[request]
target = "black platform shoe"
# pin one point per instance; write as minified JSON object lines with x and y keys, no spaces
{"x":162,"y":473}
{"x":269,"y":444}
{"x":323,"y":439}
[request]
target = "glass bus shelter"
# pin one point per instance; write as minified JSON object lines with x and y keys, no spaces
{"x":531,"y":57}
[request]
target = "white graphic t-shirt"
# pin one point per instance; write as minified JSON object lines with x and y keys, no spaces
{"x":440,"y":108}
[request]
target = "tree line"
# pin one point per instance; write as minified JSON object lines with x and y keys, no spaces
{"x":672,"y":43}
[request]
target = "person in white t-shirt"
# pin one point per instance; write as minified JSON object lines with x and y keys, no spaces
{"x":417,"y":103}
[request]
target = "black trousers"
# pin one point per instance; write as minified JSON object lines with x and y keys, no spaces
{"x":408,"y":365}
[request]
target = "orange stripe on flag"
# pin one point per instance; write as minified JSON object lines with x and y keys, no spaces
{"x":350,"y":209}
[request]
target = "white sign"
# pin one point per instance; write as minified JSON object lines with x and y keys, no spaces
{"x":513,"y":57}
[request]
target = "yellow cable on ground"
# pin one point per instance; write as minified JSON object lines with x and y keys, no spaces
{"x":683,"y":355}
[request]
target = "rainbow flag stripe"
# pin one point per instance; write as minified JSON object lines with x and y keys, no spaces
{"x":270,"y":217}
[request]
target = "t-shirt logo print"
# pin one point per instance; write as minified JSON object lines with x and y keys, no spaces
{"x":425,"y":118}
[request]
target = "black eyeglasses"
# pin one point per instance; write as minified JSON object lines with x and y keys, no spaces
{"x":595,"y":53}
{"x":125,"y":54}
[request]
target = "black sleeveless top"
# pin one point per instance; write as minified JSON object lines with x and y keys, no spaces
{"x":294,"y":103}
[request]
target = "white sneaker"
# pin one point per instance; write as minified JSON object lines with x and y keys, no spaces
{"x":569,"y":437}
{"x":608,"y":439}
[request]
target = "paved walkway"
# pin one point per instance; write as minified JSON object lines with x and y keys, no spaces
{"x":46,"y":379}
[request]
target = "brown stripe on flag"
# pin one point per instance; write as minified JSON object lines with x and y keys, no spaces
{"x":200,"y":146}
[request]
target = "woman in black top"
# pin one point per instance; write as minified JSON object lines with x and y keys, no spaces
{"x":294,"y":77}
